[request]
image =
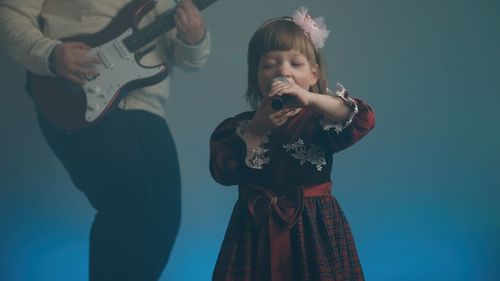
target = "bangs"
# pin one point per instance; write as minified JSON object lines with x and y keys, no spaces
{"x":284,"y":35}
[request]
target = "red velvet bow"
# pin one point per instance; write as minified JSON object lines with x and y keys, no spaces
{"x":285,"y":206}
{"x":274,"y":214}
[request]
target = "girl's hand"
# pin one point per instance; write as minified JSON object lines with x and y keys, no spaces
{"x":332,"y":107}
{"x":296,"y":95}
{"x":266,"y":118}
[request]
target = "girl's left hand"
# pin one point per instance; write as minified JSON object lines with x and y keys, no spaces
{"x":189,"y":22}
{"x":297,"y":97}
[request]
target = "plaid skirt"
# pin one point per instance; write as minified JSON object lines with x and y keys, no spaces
{"x":322,"y":245}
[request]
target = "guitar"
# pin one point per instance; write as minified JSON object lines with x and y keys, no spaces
{"x":74,"y":107}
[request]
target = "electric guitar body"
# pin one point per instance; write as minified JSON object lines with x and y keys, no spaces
{"x":74,"y":107}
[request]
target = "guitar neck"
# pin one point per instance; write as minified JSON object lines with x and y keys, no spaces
{"x":161,"y":25}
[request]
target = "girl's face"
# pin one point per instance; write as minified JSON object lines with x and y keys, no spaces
{"x":290,"y":64}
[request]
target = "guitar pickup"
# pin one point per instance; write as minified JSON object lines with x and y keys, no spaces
{"x":105,"y":59}
{"x":121,"y":49}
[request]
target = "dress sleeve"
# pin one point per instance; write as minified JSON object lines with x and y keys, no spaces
{"x":228,"y":153}
{"x":359,"y":122}
{"x":256,"y":155}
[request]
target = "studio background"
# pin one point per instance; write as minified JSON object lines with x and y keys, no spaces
{"x":421,"y":192}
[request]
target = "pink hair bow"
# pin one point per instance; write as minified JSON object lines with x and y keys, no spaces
{"x":314,"y":28}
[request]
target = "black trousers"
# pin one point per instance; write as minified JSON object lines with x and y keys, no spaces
{"x":127,"y":167}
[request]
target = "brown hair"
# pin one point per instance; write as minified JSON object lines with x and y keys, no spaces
{"x":280,"y":34}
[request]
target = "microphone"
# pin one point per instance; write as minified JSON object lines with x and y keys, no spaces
{"x":278,"y":102}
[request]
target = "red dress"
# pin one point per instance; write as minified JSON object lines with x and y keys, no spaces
{"x":286,"y":225}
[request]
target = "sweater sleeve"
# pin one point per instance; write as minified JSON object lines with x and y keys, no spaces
{"x":21,"y":35}
{"x":192,"y":57}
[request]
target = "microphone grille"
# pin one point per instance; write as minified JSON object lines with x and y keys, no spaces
{"x":281,"y":79}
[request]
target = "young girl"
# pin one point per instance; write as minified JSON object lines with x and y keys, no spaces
{"x":286,"y":225}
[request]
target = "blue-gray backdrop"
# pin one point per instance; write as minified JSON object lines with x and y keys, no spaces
{"x":421,"y":191}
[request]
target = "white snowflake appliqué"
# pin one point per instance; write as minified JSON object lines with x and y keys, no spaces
{"x":315,"y":155}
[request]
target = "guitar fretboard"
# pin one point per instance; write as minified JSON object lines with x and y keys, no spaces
{"x":162,"y":24}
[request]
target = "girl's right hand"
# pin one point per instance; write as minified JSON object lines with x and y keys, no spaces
{"x":266,"y":118}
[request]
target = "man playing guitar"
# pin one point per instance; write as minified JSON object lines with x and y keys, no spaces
{"x":125,"y":160}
